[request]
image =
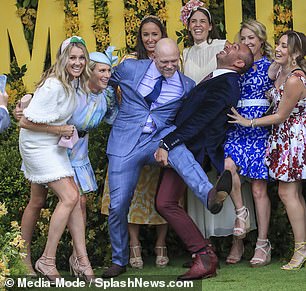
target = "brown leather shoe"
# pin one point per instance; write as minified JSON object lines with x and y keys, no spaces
{"x":113,"y":271}
{"x":219,"y":192}
{"x":204,"y":266}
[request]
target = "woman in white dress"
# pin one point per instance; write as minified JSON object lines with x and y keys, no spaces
{"x":199,"y":61}
{"x":45,"y":163}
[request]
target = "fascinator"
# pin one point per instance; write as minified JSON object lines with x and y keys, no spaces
{"x":104,"y":58}
{"x":191,"y":6}
{"x":72,"y":39}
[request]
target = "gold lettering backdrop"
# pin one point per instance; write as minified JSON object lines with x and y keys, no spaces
{"x":89,"y":20}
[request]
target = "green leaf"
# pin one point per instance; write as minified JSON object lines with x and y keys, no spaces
{"x":34,"y":3}
{"x":26,"y":3}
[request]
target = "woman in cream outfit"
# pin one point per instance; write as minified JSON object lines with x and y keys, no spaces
{"x":43,"y":124}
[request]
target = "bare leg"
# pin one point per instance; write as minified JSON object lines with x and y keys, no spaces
{"x":135,"y":246}
{"x":263,"y":209}
{"x":83,"y":209}
{"x":68,"y":195}
{"x":161,"y":231}
{"x":243,"y":219}
{"x":77,"y":229}
{"x":30,"y":217}
{"x":289,"y":194}
{"x":134,"y":234}
{"x":236,"y":251}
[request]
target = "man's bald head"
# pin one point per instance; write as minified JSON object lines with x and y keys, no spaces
{"x":166,"y":57}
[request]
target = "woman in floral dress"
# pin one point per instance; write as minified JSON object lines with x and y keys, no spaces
{"x":286,"y":152}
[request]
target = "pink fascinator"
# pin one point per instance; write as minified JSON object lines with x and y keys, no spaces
{"x":190,"y":6}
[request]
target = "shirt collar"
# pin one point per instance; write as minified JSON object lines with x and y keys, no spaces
{"x":219,"y":72}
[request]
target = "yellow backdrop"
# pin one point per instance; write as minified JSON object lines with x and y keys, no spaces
{"x":50,"y":23}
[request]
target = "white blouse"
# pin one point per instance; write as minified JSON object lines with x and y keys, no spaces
{"x":200,"y":59}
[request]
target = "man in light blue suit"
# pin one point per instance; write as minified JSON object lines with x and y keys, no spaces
{"x":140,"y":125}
{"x":4,"y":115}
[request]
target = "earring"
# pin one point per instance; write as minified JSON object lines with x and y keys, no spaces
{"x":293,"y":62}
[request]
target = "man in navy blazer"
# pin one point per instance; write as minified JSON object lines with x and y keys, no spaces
{"x":136,"y":133}
{"x":201,"y":124}
{"x":4,"y":115}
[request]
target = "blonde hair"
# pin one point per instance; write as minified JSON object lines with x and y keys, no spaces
{"x":59,"y":71}
{"x":260,"y":31}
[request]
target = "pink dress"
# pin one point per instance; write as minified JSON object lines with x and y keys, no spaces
{"x":286,"y":152}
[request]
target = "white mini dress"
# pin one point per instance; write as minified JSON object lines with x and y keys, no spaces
{"x":45,"y":161}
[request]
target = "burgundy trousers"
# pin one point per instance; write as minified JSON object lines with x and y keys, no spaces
{"x":171,"y":189}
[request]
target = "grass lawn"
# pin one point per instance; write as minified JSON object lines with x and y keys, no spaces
{"x":230,"y":277}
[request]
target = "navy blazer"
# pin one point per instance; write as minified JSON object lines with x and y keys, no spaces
{"x":134,"y":110}
{"x":202,"y":121}
{"x":4,"y":119}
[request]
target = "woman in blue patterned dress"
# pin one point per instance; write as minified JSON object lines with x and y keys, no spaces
{"x":91,"y":109}
{"x":245,"y":147}
{"x":286,"y":151}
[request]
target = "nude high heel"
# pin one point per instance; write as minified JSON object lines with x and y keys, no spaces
{"x":298,"y":259}
{"x":44,"y":266}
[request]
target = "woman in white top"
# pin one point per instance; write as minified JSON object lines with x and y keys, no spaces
{"x":43,"y":124}
{"x":199,"y":61}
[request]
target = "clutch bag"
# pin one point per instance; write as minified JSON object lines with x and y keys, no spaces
{"x":69,"y":142}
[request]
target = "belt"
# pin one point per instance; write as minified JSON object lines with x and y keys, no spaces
{"x":253,"y":102}
{"x":82,"y":133}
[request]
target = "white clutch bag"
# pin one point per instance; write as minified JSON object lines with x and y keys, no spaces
{"x":69,"y":142}
{"x":25,"y":101}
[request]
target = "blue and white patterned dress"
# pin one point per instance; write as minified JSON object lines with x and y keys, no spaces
{"x":246,"y":145}
{"x":91,"y":110}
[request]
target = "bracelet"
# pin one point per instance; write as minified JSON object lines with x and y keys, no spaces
{"x":253,"y":123}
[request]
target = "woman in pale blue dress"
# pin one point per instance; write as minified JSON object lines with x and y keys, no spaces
{"x":91,"y":109}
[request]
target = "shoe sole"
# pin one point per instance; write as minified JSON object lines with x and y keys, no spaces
{"x":217,"y":207}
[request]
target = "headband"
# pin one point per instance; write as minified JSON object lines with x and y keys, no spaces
{"x":150,"y":16}
{"x":73,"y":39}
{"x":300,"y":40}
{"x":104,"y":58}
{"x":191,"y":6}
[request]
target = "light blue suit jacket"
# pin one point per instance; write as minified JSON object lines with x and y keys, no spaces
{"x":134,"y":110}
{"x":4,"y":119}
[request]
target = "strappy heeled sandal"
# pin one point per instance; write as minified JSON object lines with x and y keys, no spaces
{"x":78,"y":269}
{"x":232,"y":259}
{"x":242,"y":215}
{"x":264,"y":247}
{"x":298,"y":259}
{"x":136,"y":261}
{"x":48,"y":262}
{"x":162,"y":259}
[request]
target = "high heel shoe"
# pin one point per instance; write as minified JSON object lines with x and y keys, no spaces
{"x":77,"y":269}
{"x":162,"y":259}
{"x":234,"y":259}
{"x":242,"y":215}
{"x":42,"y":262}
{"x":298,"y":259}
{"x":136,"y":261}
{"x":264,"y":247}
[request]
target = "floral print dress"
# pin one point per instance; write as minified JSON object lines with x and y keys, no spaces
{"x":286,"y":152}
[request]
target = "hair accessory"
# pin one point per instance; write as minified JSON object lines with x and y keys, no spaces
{"x":190,"y":6}
{"x":104,"y":58}
{"x":299,"y":38}
{"x":73,"y":39}
{"x":150,"y":16}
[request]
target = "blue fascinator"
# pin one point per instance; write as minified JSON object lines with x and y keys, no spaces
{"x":105,"y":58}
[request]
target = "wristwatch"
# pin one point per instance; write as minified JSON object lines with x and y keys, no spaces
{"x":163,"y":145}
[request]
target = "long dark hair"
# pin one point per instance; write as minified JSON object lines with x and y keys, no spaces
{"x":140,"y":49}
{"x":212,"y":34}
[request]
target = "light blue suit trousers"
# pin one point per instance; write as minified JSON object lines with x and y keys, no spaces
{"x":123,"y":177}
